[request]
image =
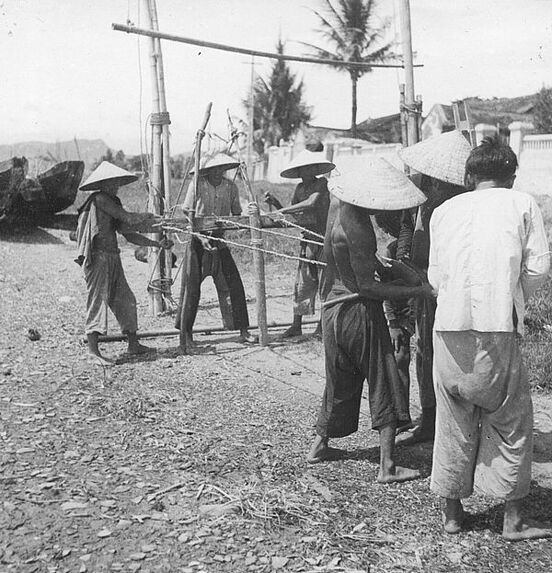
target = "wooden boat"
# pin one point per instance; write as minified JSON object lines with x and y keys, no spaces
{"x":31,"y":201}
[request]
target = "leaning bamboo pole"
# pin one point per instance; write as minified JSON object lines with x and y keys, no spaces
{"x":238,"y":50}
{"x":155,"y":184}
{"x":191,"y":216}
{"x":256,"y":241}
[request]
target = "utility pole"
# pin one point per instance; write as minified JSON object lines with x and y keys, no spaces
{"x":410,"y":103}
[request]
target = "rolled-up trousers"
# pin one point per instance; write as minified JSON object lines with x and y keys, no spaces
{"x":108,"y":288}
{"x":484,"y":426}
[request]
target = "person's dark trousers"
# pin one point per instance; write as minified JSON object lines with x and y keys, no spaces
{"x":190,"y":291}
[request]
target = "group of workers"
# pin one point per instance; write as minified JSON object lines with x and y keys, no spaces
{"x":462,"y":294}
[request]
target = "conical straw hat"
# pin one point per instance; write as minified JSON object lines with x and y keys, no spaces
{"x":219,"y":160}
{"x":442,"y":156}
{"x":306,"y":158}
{"x":107,"y":173}
{"x":376,"y":184}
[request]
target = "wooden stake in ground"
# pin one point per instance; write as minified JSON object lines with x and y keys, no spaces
{"x":165,"y":121}
{"x":191,"y":215}
{"x":156,"y":183}
{"x":256,"y":241}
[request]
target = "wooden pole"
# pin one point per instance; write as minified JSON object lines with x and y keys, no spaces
{"x":251,"y":120}
{"x":256,"y":241}
{"x":191,"y":215}
{"x":235,"y":49}
{"x":201,"y":330}
{"x":156,"y":299}
{"x":410,"y":101}
{"x":165,"y":136}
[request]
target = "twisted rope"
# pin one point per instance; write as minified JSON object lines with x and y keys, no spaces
{"x":250,"y":247}
{"x":296,"y":226}
{"x":270,"y":232}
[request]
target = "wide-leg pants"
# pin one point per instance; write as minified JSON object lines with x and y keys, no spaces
{"x":358,"y":347}
{"x":484,"y":426}
{"x":108,"y":288}
{"x":231,"y":285}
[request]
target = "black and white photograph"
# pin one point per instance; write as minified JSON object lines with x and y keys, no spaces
{"x":275,"y":286}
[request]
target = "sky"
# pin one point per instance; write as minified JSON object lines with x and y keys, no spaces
{"x":66,"y":73}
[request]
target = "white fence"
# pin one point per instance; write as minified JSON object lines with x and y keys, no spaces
{"x":535,"y":164}
{"x":338,"y":152}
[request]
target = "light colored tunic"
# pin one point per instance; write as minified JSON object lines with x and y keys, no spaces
{"x":488,"y":254}
{"x":224,"y":199}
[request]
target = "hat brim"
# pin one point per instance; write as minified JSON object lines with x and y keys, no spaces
{"x":223,"y":166}
{"x":119,"y":181}
{"x":317,"y":169}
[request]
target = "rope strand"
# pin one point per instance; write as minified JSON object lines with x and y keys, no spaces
{"x":252,"y":248}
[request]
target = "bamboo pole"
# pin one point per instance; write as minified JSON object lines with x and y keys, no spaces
{"x":235,"y":49}
{"x":410,"y":100}
{"x":191,"y":214}
{"x":165,"y":135}
{"x":256,"y":241}
{"x":156,"y":299}
{"x":251,"y":120}
{"x":202,"y":330}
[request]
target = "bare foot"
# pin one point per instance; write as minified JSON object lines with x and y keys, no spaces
{"x":137,"y":349}
{"x":247,"y":337}
{"x":529,"y":530}
{"x":99,"y":359}
{"x":453,"y":516}
{"x":319,"y":451}
{"x":416,"y":435}
{"x":291,"y":332}
{"x":397,"y":474}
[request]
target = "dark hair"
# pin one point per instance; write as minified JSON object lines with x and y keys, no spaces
{"x":491,"y":159}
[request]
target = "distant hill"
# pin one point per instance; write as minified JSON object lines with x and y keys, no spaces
{"x":42,"y":155}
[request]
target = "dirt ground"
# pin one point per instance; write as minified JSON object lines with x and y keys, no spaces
{"x":196,"y":463}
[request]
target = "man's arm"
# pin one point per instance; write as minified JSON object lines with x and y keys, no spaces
{"x":307,"y":204}
{"x":536,"y":253}
{"x":361,"y":242}
{"x":433,"y":272}
{"x":143,"y":241}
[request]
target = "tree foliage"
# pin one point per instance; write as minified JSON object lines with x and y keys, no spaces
{"x":543,"y":111}
{"x":279,"y":109}
{"x":352,"y":34}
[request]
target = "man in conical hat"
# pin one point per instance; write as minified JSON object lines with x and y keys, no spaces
{"x":100,"y":218}
{"x":311,"y":197}
{"x":356,"y":339}
{"x":441,"y":161}
{"x":210,"y":255}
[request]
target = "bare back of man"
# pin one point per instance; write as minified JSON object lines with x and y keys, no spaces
{"x":350,"y":249}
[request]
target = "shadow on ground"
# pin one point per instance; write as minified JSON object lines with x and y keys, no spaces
{"x":28,"y":235}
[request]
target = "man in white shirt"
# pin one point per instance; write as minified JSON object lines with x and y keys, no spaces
{"x":489,"y":253}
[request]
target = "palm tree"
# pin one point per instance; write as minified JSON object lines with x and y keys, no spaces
{"x":350,"y":30}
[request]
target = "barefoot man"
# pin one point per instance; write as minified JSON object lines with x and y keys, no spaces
{"x":100,"y":218}
{"x":489,"y":253}
{"x":217,"y":196}
{"x":312,"y":198}
{"x":356,"y":339}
